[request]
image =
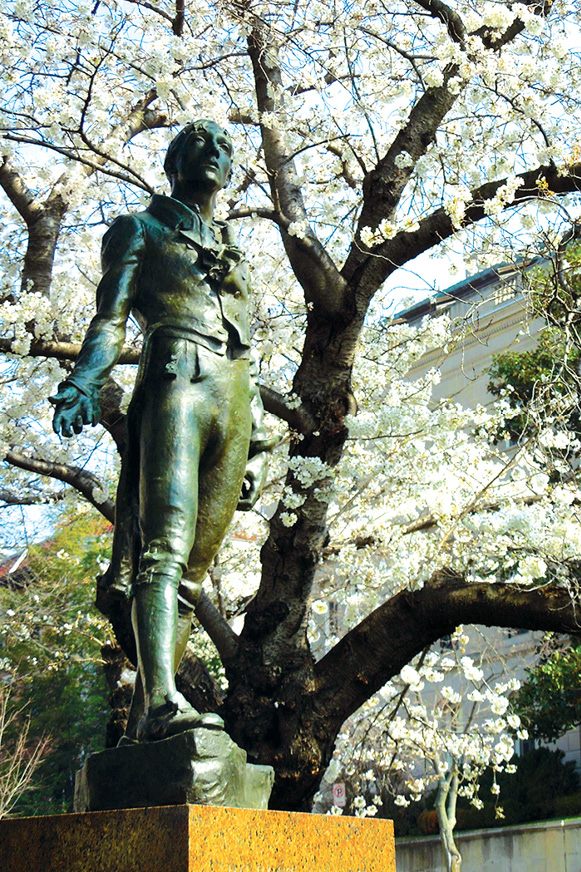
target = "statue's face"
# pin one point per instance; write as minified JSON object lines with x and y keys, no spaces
{"x":206,"y":157}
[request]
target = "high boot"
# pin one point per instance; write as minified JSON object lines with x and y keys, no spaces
{"x":155,"y":623}
{"x":211,"y":721}
{"x":135,"y":711}
{"x":187,"y":716}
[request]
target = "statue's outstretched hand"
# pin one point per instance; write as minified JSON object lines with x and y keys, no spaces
{"x":254,"y":479}
{"x":72,"y":410}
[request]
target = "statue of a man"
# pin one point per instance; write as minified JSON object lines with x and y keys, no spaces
{"x":196,"y":444}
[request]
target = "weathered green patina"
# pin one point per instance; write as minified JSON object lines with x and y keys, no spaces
{"x":196,"y":445}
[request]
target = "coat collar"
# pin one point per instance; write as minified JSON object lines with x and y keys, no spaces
{"x":218,"y":257}
{"x":177,"y":216}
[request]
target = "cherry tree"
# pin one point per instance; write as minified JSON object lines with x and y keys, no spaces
{"x":440,"y":724}
{"x":366,"y":136}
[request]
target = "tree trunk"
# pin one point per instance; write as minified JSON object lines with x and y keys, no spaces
{"x":446,"y":810}
{"x":271,"y":705}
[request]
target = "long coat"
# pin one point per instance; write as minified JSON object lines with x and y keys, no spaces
{"x":168,"y":268}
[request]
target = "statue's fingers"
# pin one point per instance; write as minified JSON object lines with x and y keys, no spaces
{"x":78,"y":424}
{"x":57,"y":422}
{"x":66,"y":427}
{"x":87,"y":414}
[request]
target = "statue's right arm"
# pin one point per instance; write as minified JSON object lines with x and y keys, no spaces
{"x":77,"y":400}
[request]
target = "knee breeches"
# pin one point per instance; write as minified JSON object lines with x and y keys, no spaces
{"x":193,"y":423}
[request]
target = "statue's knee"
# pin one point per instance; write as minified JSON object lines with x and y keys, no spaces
{"x":159,"y":563}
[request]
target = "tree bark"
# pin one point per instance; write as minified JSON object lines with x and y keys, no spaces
{"x":445,"y":805}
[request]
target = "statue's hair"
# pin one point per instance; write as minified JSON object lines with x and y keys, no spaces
{"x":179,"y":141}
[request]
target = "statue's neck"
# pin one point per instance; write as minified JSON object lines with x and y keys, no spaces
{"x":204,"y":200}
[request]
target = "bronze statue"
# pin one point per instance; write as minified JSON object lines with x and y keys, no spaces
{"x":196,"y":443}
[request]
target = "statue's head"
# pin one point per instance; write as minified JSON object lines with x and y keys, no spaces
{"x":201,"y":152}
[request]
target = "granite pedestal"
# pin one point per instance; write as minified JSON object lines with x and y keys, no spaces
{"x":189,"y":838}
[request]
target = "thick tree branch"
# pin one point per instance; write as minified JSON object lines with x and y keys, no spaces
{"x":314,"y":269}
{"x":378,"y":648}
{"x":84,"y":482}
{"x":13,"y":498}
{"x":178,"y":23}
{"x":197,"y":684}
{"x":448,"y":16}
{"x":273,"y":401}
{"x":141,"y":118}
{"x":217,"y":628}
{"x":64,"y":350}
{"x":43,"y":221}
{"x":384,"y":185}
{"x":28,"y":207}
{"x":438,"y":226}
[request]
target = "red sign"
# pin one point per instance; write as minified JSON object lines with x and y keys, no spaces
{"x":339,"y":795}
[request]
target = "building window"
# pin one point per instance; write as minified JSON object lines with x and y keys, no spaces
{"x":505,"y":291}
{"x":525,"y":746}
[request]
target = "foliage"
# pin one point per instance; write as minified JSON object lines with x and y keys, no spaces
{"x":50,"y":653}
{"x":366,"y":136}
{"x":542,"y":386}
{"x":556,"y":289}
{"x":549,"y":701}
{"x":534,"y":382}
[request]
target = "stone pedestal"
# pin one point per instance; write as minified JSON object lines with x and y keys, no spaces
{"x":189,"y":838}
{"x":201,"y":766}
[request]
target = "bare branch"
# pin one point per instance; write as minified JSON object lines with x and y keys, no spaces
{"x":84,"y":482}
{"x":151,"y":6}
{"x":73,"y":155}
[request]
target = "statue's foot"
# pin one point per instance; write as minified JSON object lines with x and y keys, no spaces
{"x":173,"y":717}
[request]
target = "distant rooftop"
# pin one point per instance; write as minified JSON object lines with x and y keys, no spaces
{"x":465,"y":290}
